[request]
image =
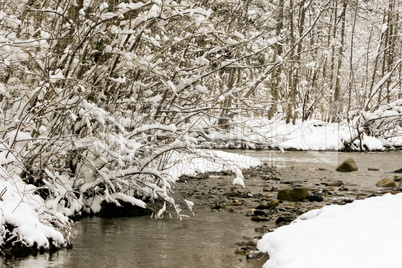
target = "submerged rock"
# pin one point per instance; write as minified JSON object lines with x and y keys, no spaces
{"x":274,"y":203}
{"x":398,"y":170}
{"x":260,"y":213}
{"x":348,"y":165}
{"x":255,"y":254}
{"x":264,"y":229}
{"x":333,"y":183}
{"x":284,"y":220}
{"x":398,"y":178}
{"x":295,"y":194}
{"x":315,"y":197}
{"x":260,"y":218}
{"x":271,"y":178}
{"x":386,"y":183}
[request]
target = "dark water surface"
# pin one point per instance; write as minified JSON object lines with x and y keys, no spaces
{"x":207,"y":239}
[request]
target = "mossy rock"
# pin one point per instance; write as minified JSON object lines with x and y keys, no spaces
{"x":348,"y":165}
{"x":386,"y":183}
{"x":296,"y":194}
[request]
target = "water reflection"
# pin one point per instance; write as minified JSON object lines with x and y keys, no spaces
{"x":206,"y":240}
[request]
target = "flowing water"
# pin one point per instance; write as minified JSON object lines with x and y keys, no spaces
{"x":207,"y":239}
{"x":314,"y":166}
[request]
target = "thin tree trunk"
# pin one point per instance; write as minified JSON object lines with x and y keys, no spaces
{"x":339,"y":67}
{"x":351,"y":69}
{"x":277,"y":72}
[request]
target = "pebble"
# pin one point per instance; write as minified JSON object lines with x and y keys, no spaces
{"x":259,"y":200}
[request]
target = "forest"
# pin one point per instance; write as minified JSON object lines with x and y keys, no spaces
{"x":99,"y":98}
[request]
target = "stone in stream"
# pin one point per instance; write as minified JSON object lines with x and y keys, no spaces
{"x":234,"y":192}
{"x":260,"y":213}
{"x":347,"y":165}
{"x":264,"y":229}
{"x":386,"y":183}
{"x":255,"y":254}
{"x":398,"y":171}
{"x":284,"y":220}
{"x":271,"y":178}
{"x":263,"y":205}
{"x":260,"y":218}
{"x":250,"y":212}
{"x":295,"y":194}
{"x":274,"y":203}
{"x":219,"y":205}
{"x":398,"y":178}
{"x":336,"y":183}
{"x":315,"y":197}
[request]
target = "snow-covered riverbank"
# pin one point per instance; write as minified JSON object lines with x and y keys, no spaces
{"x":308,"y":135}
{"x":365,"y":233}
{"x":370,"y":131}
{"x":32,"y":223}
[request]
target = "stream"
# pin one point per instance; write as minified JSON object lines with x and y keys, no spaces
{"x":210,"y":237}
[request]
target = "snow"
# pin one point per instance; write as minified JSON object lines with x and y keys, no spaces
{"x":365,"y":233}
{"x":189,"y":204}
{"x":314,"y":135}
{"x":373,"y":143}
{"x":56,"y":77}
{"x":210,"y":161}
{"x":29,"y":217}
{"x":103,"y":6}
{"x":239,"y":180}
{"x":129,"y":199}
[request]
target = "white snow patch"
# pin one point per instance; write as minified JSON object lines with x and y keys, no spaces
{"x":210,"y":161}
{"x":129,"y":199}
{"x":366,"y":233}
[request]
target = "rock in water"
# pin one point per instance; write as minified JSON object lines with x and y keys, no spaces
{"x":347,"y":165}
{"x":386,"y":183}
{"x":296,"y":194}
{"x":284,"y":220}
{"x":259,"y":218}
{"x":398,"y":170}
{"x":274,"y":203}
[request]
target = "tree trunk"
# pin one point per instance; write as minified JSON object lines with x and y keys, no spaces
{"x":339,"y":67}
{"x":277,"y":72}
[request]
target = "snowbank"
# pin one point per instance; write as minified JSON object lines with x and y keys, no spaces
{"x":317,"y":135}
{"x":365,"y":233}
{"x":210,"y":161}
{"x":25,"y":219}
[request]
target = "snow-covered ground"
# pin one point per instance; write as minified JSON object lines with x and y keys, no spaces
{"x":29,"y":221}
{"x":307,"y":135}
{"x":32,"y":221}
{"x":211,"y":161}
{"x":379,"y":130}
{"x":366,"y":233}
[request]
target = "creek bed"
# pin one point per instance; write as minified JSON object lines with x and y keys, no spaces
{"x":220,"y":227}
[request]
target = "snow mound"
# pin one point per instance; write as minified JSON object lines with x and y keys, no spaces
{"x":31,"y":222}
{"x":210,"y":161}
{"x":365,"y":233}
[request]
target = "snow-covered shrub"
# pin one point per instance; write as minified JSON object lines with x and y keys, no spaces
{"x":384,"y":122}
{"x":105,"y":93}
